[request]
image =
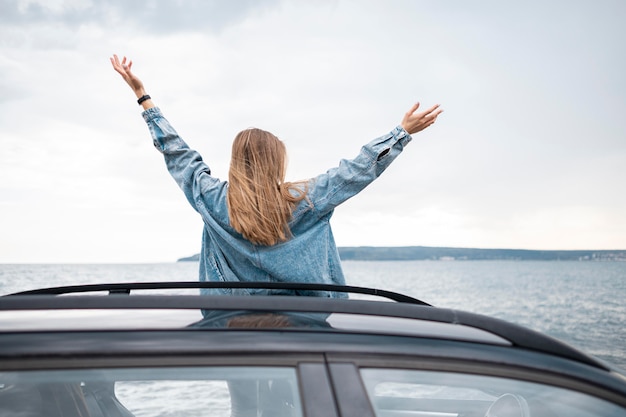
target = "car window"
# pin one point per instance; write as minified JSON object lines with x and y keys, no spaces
{"x":398,"y":393}
{"x":144,"y":392}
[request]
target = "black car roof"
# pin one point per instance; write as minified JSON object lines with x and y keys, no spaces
{"x":405,"y":307}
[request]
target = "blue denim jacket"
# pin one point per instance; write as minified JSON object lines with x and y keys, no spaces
{"x":311,"y":255}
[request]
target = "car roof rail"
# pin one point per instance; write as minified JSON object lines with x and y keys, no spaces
{"x":126,"y":288}
{"x":519,"y":336}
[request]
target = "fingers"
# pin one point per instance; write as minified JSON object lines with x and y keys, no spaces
{"x":123,"y":67}
{"x":434,"y":107}
{"x":115,"y":60}
{"x":430,"y":116}
{"x":116,"y":64}
{"x":431,"y":111}
{"x":413,"y":109}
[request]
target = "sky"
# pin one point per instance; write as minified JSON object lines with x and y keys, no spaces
{"x":530,"y":152}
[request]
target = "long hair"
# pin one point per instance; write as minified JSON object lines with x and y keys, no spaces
{"x":260,"y":202}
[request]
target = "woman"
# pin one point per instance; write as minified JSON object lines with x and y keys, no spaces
{"x":257,"y":227}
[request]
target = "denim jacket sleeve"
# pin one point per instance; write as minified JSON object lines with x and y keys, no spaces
{"x":338,"y":184}
{"x":185,"y":165}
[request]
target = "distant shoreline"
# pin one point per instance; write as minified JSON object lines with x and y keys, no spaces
{"x":427,"y":253}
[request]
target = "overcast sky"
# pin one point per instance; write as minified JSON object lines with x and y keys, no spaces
{"x":529,"y":153}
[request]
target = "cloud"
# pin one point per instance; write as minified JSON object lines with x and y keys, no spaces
{"x":532,"y":129}
{"x":152,"y":16}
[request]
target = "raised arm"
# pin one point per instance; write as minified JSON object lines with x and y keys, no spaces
{"x":124,"y":69}
{"x":338,"y":184}
{"x":185,"y":165}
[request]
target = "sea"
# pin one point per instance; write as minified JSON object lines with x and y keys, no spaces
{"x":582,"y":303}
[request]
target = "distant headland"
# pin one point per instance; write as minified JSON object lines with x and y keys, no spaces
{"x":427,"y":253}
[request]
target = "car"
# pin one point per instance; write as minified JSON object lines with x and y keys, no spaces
{"x":153,"y":349}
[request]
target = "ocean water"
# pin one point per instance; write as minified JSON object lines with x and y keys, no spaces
{"x":580,"y":303}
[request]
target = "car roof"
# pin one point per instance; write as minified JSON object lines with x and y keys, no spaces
{"x":399,"y":315}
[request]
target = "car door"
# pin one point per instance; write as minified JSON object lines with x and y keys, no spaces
{"x":408,"y":387}
{"x":178,"y":384}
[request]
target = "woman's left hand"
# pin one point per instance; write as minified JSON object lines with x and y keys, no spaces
{"x":124,"y":69}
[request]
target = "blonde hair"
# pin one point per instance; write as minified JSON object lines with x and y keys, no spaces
{"x":260,"y":202}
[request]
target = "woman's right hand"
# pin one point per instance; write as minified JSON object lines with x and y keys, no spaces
{"x":415,"y":122}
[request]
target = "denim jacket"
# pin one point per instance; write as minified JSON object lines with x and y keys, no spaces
{"x":310,"y":255}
